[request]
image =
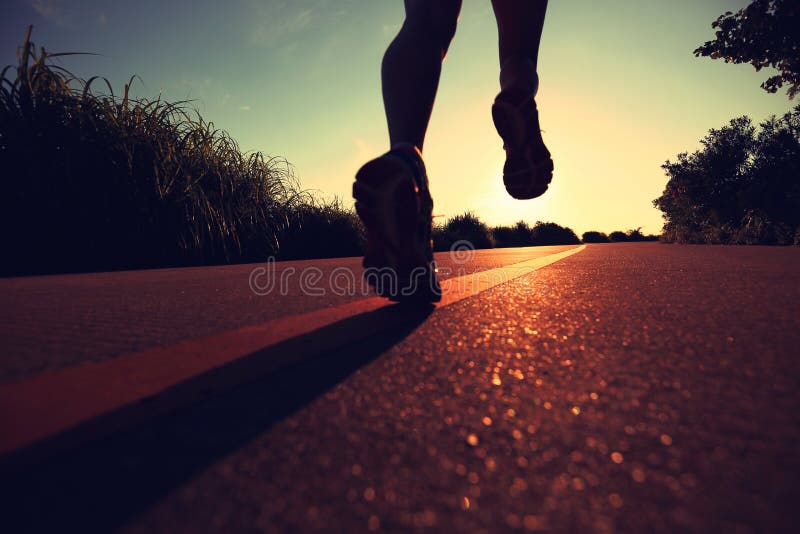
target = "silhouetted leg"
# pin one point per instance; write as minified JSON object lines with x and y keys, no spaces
{"x":528,"y":169}
{"x":519,"y":27}
{"x":412,"y":65}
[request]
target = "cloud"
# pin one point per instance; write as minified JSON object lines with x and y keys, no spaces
{"x":49,"y":9}
{"x":244,"y":108}
{"x":67,"y":14}
{"x":278,"y":22}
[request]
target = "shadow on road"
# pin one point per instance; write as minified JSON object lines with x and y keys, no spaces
{"x":101,"y":485}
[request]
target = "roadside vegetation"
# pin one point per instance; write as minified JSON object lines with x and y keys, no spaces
{"x":743,"y":185}
{"x":468,"y":227}
{"x":618,"y":236}
{"x":95,"y":180}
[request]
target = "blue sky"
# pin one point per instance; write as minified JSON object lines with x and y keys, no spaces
{"x":620,"y":90}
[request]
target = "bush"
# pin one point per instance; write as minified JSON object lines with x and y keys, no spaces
{"x":759,"y":230}
{"x":94,"y":181}
{"x":548,"y":233}
{"x":321,"y":230}
{"x":594,"y":237}
{"x":518,"y":235}
{"x":465,"y":227}
{"x":618,"y":237}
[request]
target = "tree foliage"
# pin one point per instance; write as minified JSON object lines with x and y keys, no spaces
{"x":518,"y":235}
{"x":594,"y":237}
{"x":766,"y":33}
{"x":741,"y":186}
{"x":548,"y":233}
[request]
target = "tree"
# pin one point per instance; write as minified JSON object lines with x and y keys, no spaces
{"x":594,"y":237}
{"x":618,"y":237}
{"x":518,"y":235}
{"x":548,"y":233}
{"x":742,"y":186}
{"x":764,"y":34}
{"x":465,"y":227}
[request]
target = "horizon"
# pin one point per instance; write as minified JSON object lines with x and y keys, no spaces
{"x":607,"y":149}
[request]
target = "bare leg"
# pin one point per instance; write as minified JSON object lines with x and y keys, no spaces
{"x":412,"y":66}
{"x":528,"y":169}
{"x":519,"y":26}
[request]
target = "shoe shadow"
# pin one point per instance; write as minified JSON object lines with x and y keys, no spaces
{"x":106,"y":482}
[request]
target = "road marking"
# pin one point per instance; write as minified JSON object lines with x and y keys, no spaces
{"x":37,"y":408}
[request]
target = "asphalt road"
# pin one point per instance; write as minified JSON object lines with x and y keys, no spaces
{"x":52,"y":322}
{"x":630,"y":387}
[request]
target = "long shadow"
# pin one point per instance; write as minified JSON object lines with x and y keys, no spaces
{"x":102,"y":484}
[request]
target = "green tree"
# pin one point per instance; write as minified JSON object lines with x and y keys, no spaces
{"x":765,"y":34}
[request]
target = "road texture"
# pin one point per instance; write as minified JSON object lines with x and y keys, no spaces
{"x":629,"y":387}
{"x":50,"y":322}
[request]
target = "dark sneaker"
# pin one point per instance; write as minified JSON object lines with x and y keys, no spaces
{"x":528,"y":168}
{"x":395,"y":205}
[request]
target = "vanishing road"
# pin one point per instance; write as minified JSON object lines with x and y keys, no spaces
{"x":620,"y":387}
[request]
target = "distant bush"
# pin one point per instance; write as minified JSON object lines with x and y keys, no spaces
{"x":636,"y":234}
{"x":548,"y":233}
{"x":519,"y":235}
{"x":321,"y":230}
{"x":618,"y":237}
{"x":742,"y":186}
{"x":464,"y":227}
{"x":594,"y":237}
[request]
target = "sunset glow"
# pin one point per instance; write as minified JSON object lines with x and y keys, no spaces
{"x":620,"y":91}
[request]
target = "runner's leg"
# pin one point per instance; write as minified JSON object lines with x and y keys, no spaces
{"x":528,"y":169}
{"x":519,"y":28}
{"x":412,"y":65}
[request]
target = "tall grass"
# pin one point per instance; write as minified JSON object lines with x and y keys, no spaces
{"x":93,"y":181}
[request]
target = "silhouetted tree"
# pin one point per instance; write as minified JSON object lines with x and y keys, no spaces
{"x":618,"y":237}
{"x":464,"y":227}
{"x":764,"y":34}
{"x":742,"y":186}
{"x":548,"y":233}
{"x":594,"y":237}
{"x":635,"y":234}
{"x":518,"y":235}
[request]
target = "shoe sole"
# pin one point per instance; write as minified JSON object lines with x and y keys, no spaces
{"x":512,"y":128}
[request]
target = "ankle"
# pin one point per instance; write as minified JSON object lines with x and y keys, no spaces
{"x":518,"y":74}
{"x":410,"y":149}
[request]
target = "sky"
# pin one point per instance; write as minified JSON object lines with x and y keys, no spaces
{"x":620,"y":90}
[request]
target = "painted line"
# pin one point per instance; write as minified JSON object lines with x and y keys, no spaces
{"x":39,"y":407}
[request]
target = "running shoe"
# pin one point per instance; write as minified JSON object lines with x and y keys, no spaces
{"x":395,"y":205}
{"x":528,"y":168}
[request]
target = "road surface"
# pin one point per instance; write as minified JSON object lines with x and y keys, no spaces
{"x":626,"y":387}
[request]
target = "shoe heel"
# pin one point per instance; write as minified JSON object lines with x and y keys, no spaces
{"x":386,"y":203}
